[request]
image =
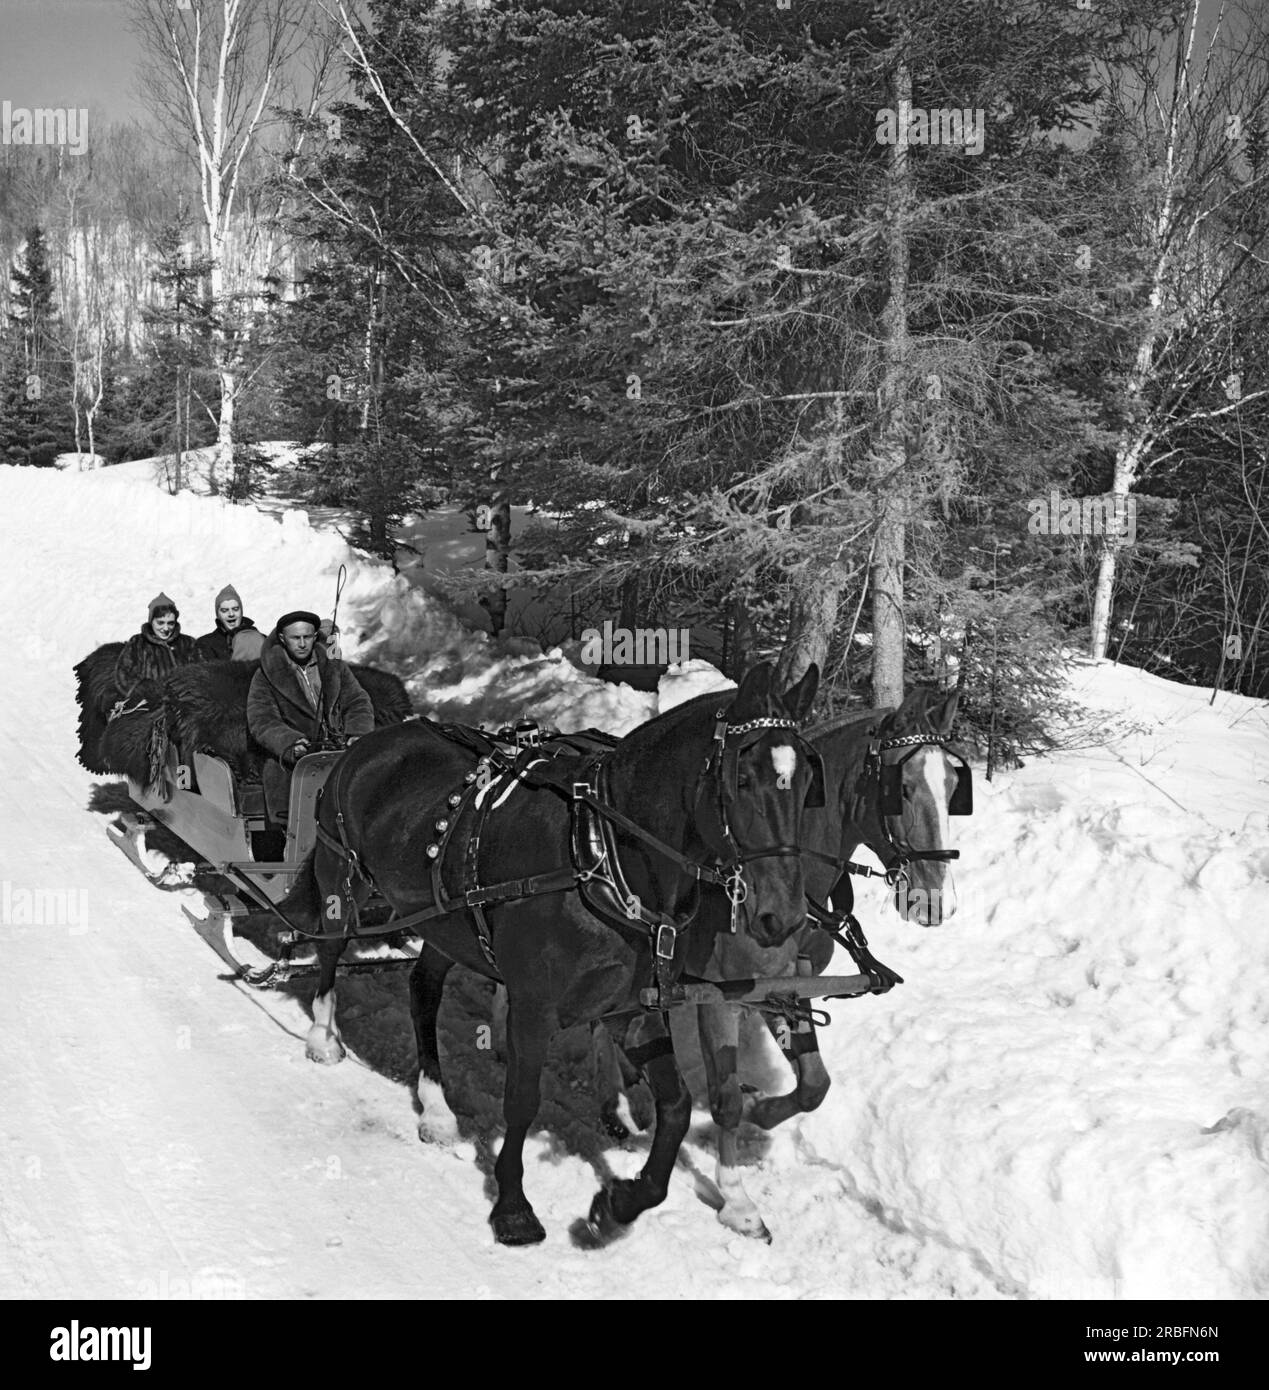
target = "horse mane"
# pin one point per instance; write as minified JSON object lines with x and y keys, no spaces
{"x":838,"y":722}
{"x":655,"y":728}
{"x":914,"y":715}
{"x":843,"y":738}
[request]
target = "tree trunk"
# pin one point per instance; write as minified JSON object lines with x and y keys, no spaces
{"x":178,"y":478}
{"x":890,"y":478}
{"x":223,"y":453}
{"x":628,"y":616}
{"x":741,"y":640}
{"x":812,"y":619}
{"x":1128,"y":458}
{"x":1131,"y":450}
{"x":497,"y":555}
{"x":368,"y":363}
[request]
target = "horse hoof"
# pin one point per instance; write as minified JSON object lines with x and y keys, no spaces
{"x":600,"y":1227}
{"x":438,"y":1123}
{"x":438,"y":1129}
{"x":517,"y":1227}
{"x":327,"y":1051}
{"x":749,"y":1225}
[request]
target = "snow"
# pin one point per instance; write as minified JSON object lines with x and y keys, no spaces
{"x":1067,"y":1097}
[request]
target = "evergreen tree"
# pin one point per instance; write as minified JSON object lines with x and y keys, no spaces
{"x":381,"y":307}
{"x":35,"y":408}
{"x":683,"y":271}
{"x":167,"y":396}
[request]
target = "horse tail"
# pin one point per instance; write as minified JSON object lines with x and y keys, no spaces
{"x":302,"y":904}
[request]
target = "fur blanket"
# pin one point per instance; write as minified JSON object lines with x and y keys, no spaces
{"x":206,"y":708}
{"x":387,"y":694}
{"x":133,"y":744}
{"x":201,"y":706}
{"x":136,"y":744}
{"x":96,"y":694}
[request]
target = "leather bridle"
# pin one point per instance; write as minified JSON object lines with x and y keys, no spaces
{"x":722,"y":767}
{"x":876,"y":770}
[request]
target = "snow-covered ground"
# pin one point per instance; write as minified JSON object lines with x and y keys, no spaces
{"x":1068,"y":1098}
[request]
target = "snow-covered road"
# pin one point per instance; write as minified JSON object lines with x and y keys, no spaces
{"x":1068,"y":1098}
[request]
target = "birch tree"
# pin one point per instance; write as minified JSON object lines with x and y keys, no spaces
{"x":215,"y":71}
{"x":1187,"y":101}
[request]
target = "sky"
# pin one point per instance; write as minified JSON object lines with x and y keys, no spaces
{"x":75,"y":53}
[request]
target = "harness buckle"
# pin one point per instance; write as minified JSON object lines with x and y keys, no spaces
{"x":664,"y":940}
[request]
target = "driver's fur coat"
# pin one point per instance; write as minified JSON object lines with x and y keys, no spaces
{"x":279,"y":713}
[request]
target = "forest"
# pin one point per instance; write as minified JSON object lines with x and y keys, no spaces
{"x":923,"y":342}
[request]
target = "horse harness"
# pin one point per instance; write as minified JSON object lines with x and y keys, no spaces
{"x":576,"y":767}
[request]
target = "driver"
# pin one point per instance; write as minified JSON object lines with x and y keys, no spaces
{"x":301,"y":699}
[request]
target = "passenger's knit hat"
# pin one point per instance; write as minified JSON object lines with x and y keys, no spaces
{"x":228,"y":592}
{"x":299,"y":616}
{"x":161,"y":600}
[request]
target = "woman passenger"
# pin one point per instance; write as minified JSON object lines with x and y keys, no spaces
{"x":158,"y":649}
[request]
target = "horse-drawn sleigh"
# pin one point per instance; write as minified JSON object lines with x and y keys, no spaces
{"x":597,"y":879}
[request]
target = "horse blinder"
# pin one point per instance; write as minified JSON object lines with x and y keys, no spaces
{"x":815,"y":794}
{"x":962,"y":802}
{"x":892,"y":789}
{"x":891,"y":802}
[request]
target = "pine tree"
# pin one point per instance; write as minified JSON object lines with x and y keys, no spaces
{"x":381,"y":307}
{"x":167,"y":397}
{"x":35,"y":407}
{"x":683,"y":275}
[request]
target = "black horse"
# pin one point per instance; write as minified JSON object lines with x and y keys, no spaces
{"x":892,"y":782}
{"x":713,"y":790}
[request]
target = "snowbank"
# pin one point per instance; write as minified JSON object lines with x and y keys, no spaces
{"x":190,"y":546}
{"x":1073,"y":1083}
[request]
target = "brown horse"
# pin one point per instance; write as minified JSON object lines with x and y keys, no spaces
{"x":861,"y":808}
{"x":713,"y":790}
{"x":891,"y":783}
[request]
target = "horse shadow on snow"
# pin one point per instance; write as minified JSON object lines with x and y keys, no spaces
{"x":374,"y":1013}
